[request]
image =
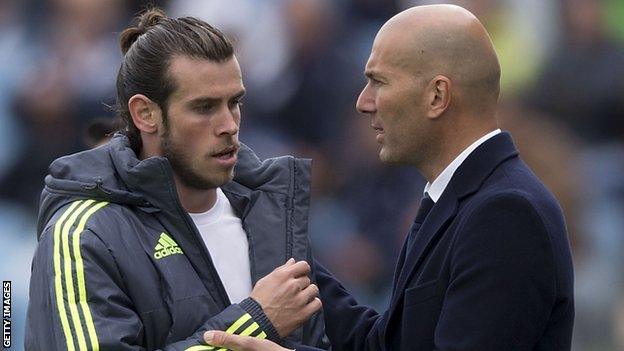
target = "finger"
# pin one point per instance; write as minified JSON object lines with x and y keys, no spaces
{"x":308,"y":294}
{"x":308,"y":310}
{"x":230,"y":341}
{"x":299,"y":269}
{"x":311,"y":308}
{"x":286,"y":264}
{"x":302,"y":282}
{"x":283,"y":269}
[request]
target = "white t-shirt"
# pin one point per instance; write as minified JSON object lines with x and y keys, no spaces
{"x":227,"y":243}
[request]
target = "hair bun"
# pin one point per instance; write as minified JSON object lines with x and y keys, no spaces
{"x":150,"y":18}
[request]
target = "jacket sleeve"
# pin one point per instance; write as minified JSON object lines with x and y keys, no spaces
{"x":349,"y":325}
{"x":77,"y":301}
{"x":502,"y":282}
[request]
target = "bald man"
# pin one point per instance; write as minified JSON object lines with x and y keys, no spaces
{"x":487,"y":264}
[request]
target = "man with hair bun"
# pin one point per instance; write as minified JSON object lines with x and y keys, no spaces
{"x":167,"y":230}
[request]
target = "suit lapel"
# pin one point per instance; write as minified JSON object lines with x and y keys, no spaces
{"x":400,"y":262}
{"x":441,"y":213}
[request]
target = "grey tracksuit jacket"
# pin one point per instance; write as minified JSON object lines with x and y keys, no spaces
{"x":121,"y":266}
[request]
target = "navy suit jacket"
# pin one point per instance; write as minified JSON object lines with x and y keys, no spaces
{"x":490,"y":269}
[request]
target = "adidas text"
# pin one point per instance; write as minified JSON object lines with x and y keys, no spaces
{"x":167,"y":251}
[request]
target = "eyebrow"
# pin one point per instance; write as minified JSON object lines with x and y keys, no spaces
{"x":240,"y":94}
{"x":208,"y":100}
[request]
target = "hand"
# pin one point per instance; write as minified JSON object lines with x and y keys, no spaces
{"x":240,"y":343}
{"x":287,"y":297}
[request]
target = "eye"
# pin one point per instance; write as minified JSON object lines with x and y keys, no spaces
{"x":204,"y":108}
{"x":374,"y":82}
{"x":237,"y":102}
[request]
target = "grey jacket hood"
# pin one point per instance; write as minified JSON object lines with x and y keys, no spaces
{"x":113,"y":173}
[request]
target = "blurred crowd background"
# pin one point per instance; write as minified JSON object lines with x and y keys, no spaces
{"x":302,"y":60}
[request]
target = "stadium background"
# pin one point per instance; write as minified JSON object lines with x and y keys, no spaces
{"x":302,"y":61}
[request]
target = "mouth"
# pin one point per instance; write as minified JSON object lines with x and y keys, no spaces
{"x":227,"y":155}
{"x":380,"y":133}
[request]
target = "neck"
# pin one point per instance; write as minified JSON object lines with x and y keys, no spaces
{"x":148,"y":150}
{"x":195,"y":200}
{"x":449,"y":147}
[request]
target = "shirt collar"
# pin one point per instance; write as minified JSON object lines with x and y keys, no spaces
{"x":436,"y":188}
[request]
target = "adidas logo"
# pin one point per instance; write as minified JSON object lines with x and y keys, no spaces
{"x":166,"y":246}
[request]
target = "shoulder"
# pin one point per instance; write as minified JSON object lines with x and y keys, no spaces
{"x":90,"y":216}
{"x":501,"y":200}
{"x":517,"y":177}
{"x":278,"y":174}
{"x":503,"y":212}
{"x":513,"y":189}
{"x":501,"y":226}
{"x":508,"y":225}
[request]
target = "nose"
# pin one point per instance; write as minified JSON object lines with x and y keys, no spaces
{"x":229,"y":123}
{"x":366,"y":101}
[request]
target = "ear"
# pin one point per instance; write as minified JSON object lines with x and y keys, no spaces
{"x":439,"y":96}
{"x":145,"y":113}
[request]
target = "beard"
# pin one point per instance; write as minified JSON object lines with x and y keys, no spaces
{"x":182,"y":166}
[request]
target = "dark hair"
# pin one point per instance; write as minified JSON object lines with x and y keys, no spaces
{"x":100,"y":130}
{"x":148,"y":48}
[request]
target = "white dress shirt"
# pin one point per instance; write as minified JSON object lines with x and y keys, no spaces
{"x":436,"y":188}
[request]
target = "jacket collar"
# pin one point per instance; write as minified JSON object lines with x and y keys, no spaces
{"x":481,"y":163}
{"x":152,"y":178}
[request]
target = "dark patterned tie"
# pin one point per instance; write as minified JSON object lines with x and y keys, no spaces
{"x":426,"y":204}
